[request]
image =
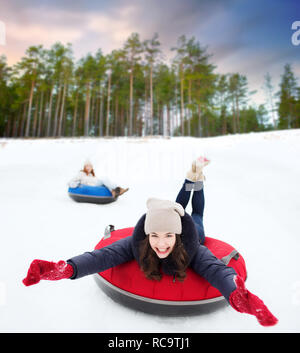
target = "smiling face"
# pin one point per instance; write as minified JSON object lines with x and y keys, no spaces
{"x":88,"y":168}
{"x":162,"y":243}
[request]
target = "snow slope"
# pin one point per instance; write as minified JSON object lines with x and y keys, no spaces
{"x":252,"y":202}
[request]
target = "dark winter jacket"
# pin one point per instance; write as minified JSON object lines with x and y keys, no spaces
{"x":201,"y":260}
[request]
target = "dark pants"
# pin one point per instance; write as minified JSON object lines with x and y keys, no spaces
{"x":183,"y":198}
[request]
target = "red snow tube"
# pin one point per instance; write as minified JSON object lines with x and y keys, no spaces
{"x":127,"y":284}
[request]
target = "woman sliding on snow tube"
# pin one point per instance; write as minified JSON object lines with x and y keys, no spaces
{"x":87,"y":177}
{"x":166,"y":240}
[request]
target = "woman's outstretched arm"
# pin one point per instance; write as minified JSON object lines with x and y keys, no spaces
{"x":82,"y":265}
{"x":231,"y":286}
{"x":214,"y":271}
{"x":102,"y":259}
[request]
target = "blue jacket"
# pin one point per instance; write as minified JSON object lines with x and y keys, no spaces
{"x":201,"y":259}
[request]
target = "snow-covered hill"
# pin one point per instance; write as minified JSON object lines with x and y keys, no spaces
{"x":252,"y":202}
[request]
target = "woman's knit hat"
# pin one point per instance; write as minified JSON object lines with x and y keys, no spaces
{"x":163,"y":216}
{"x":88,"y":162}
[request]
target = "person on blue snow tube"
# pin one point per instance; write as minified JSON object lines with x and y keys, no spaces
{"x":166,"y":239}
{"x":87,"y":177}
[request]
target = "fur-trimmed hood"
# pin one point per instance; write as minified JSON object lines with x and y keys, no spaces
{"x":189,"y":238}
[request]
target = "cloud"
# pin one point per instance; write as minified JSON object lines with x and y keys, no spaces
{"x":250,"y":37}
{"x":113,"y":21}
{"x":42,"y":33}
{"x":114,"y":26}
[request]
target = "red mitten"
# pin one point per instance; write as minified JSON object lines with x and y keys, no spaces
{"x":51,"y":271}
{"x":245,"y":302}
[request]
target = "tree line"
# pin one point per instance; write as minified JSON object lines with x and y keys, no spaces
{"x":132,"y":91}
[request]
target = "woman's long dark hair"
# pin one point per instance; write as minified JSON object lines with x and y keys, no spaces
{"x":150,"y":264}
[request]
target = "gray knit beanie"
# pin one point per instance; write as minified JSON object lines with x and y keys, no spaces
{"x":163,"y":216}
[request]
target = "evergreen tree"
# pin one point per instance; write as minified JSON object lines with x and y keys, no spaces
{"x":288,"y":99}
{"x":48,"y":94}
{"x":151,"y":48}
{"x":269,"y":89}
{"x":133,"y":48}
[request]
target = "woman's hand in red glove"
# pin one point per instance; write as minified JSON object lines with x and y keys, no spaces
{"x":40,"y":269}
{"x":245,"y":302}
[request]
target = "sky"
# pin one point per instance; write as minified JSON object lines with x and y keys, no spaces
{"x":251,"y":37}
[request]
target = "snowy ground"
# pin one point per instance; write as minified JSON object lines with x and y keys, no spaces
{"x":252,"y":202}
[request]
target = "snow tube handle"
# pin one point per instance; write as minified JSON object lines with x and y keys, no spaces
{"x":233,"y":255}
{"x":107,"y":232}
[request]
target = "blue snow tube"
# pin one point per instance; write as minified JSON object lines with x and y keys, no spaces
{"x":91,"y":194}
